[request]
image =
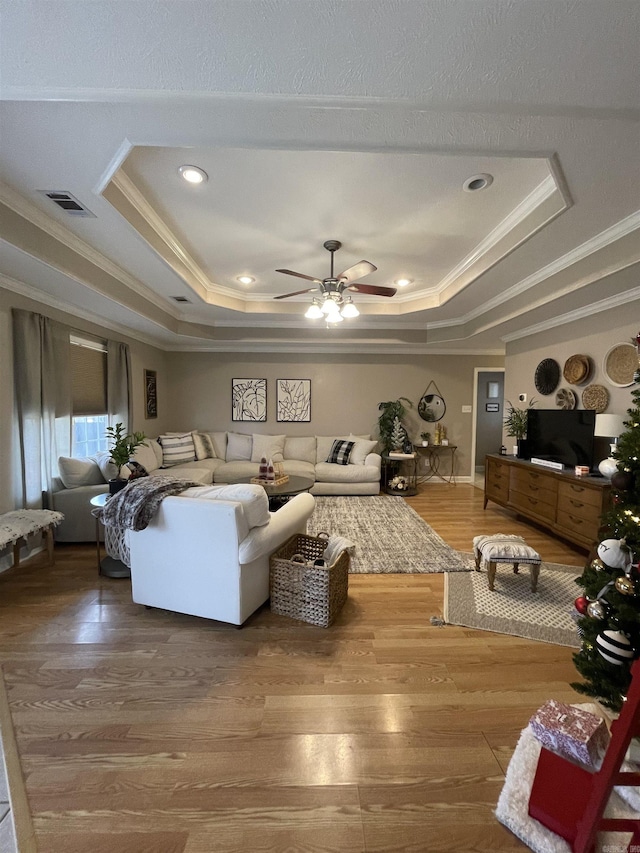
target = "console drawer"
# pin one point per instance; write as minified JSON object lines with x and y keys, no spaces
{"x":526,"y":480}
{"x":578,"y":491}
{"x":574,"y":524}
{"x":576,"y":507}
{"x":532,"y":505}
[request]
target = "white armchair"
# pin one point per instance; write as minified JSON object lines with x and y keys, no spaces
{"x":206,"y":551}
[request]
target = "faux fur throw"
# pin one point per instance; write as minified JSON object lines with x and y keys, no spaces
{"x":135,"y":505}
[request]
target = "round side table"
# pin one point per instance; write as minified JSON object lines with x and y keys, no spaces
{"x":114,"y":543}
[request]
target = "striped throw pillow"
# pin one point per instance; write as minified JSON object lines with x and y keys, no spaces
{"x":340,"y":452}
{"x":177,"y":448}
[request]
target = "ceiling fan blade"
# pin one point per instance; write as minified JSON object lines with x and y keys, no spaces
{"x":373,"y":289}
{"x":301,"y":275}
{"x":295,"y":293}
{"x":357,"y":271}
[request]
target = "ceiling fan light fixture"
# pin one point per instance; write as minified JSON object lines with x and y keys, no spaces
{"x":314,"y":312}
{"x":335,"y":317}
{"x":193,"y":174}
{"x":349,"y":310}
{"x":329,"y":305}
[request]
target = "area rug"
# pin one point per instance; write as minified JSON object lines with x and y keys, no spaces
{"x":512,"y":608}
{"x":390,"y":537}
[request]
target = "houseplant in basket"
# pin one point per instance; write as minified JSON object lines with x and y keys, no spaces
{"x":516,"y":426}
{"x":122,"y":447}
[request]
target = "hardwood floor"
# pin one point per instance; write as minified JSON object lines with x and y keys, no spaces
{"x":143,"y":731}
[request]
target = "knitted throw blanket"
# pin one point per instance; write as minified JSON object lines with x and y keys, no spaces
{"x":135,"y":505}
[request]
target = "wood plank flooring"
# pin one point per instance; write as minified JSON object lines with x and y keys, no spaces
{"x":143,"y":731}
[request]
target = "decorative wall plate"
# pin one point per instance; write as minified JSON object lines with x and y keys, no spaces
{"x":577,"y":369}
{"x":619,"y":365}
{"x":565,"y":398}
{"x":547,"y":376}
{"x":595,"y":397}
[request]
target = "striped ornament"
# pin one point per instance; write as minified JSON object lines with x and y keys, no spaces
{"x":615,"y":647}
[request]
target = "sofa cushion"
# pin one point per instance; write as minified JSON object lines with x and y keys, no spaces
{"x":299,"y":468}
{"x":176,"y":449}
{"x":361,"y":449}
{"x":219,"y":441}
{"x":269,"y":446}
{"x":196,"y":471}
{"x":79,"y":472}
{"x":230,"y":472}
{"x":238,"y":447}
{"x":340,"y":452}
{"x":328,"y":472}
{"x":302,"y":448}
{"x":254,"y":500}
{"x":203,"y":445}
{"x":147,"y":455}
{"x":324,"y":443}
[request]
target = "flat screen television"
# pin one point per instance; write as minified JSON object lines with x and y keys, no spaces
{"x":561,"y":435}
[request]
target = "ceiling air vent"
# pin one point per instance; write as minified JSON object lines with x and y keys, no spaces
{"x":181,"y":299}
{"x":67,"y":202}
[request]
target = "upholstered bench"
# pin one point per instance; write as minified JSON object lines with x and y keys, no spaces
{"x":505,"y":548}
{"x":16,"y":525}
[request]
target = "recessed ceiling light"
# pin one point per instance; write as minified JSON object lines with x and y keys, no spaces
{"x":477,"y":182}
{"x":246,"y":279}
{"x":402,"y":282}
{"x":193,"y":174}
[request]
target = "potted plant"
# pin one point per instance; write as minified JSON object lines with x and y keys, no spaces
{"x":389,"y":411}
{"x":516,"y":426}
{"x":425,"y":436}
{"x":121,"y":450}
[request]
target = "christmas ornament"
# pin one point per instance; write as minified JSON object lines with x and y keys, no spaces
{"x":614,"y":646}
{"x":622,"y":481}
{"x":597,"y":564}
{"x":615,"y":554}
{"x":625,"y":585}
{"x":580,"y":604}
{"x":596,"y":610}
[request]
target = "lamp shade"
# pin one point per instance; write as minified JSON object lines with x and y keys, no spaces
{"x":609,"y":426}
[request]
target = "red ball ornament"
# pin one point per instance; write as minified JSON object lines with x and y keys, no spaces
{"x":581,"y":603}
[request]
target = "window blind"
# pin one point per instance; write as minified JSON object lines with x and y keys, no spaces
{"x":88,"y":379}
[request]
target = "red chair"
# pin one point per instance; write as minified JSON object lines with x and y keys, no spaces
{"x":570,"y":800}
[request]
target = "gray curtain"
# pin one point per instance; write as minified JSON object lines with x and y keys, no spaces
{"x":118,"y":383}
{"x":43,"y":402}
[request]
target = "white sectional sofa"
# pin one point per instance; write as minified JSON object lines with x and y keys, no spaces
{"x":221,"y":457}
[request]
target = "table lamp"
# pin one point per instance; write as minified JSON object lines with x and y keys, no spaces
{"x":609,"y":426}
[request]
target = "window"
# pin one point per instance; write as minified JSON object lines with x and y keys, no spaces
{"x":89,"y":396}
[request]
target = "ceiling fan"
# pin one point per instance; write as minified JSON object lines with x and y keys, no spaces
{"x":332,"y":288}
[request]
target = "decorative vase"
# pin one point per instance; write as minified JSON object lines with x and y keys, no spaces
{"x":116,"y":484}
{"x":425,"y":444}
{"x":523,"y":449}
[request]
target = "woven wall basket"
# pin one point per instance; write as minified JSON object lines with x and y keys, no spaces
{"x":595,"y":397}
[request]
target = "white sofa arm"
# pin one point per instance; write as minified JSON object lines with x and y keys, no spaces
{"x":289,"y":519}
{"x":374,"y":459}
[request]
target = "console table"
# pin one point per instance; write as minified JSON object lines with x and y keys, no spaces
{"x":568,"y":505}
{"x":434,"y":453}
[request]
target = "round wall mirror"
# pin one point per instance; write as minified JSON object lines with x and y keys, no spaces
{"x":431,"y":407}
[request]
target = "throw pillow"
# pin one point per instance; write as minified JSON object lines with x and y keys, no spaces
{"x":269,"y":446}
{"x":177,"y":449}
{"x":148,"y":454}
{"x":79,"y":472}
{"x":340,"y":452}
{"x":324,"y":443}
{"x":108,"y":468}
{"x":137,"y":470}
{"x":238,"y":447}
{"x":203,"y":445}
{"x":361,"y":449}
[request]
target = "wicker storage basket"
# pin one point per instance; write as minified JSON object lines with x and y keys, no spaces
{"x":314,"y":594}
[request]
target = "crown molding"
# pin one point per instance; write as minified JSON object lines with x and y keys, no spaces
{"x":19,"y":205}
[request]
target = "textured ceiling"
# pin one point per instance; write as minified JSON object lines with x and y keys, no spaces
{"x":357,"y":121}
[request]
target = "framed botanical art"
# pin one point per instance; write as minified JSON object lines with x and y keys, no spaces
{"x":150,"y":394}
{"x":293,"y":400}
{"x":248,"y":399}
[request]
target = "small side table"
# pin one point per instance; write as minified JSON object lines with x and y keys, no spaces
{"x":434,"y":453}
{"x":395,"y":462}
{"x":108,"y":566}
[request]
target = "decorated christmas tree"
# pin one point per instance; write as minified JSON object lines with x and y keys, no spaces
{"x":609,"y":624}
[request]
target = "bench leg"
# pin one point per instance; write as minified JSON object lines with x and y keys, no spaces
{"x":516,"y":566}
{"x":16,"y":551}
{"x":535,"y":574}
{"x":491,"y":573}
{"x":478,"y":556}
{"x":48,"y":533}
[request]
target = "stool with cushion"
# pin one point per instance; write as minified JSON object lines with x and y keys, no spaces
{"x":505,"y":548}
